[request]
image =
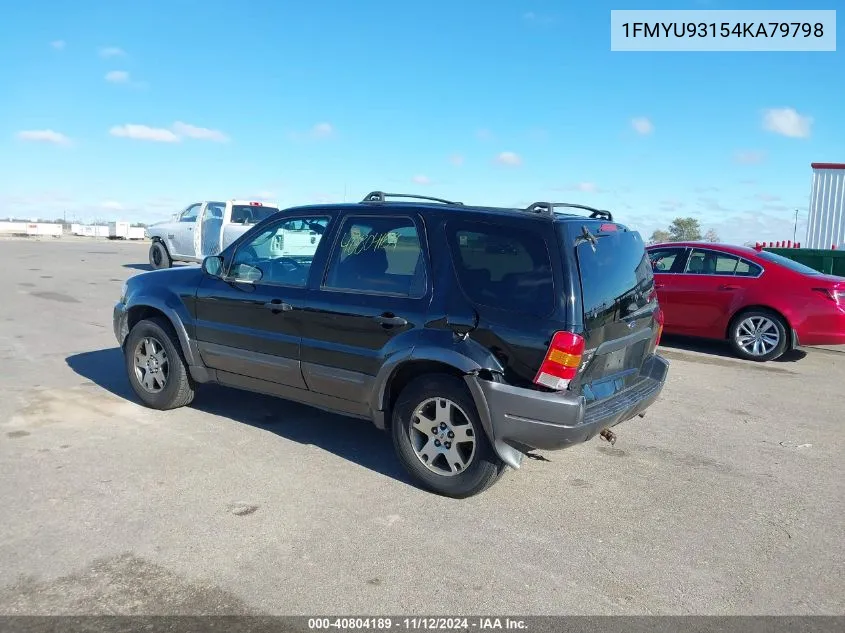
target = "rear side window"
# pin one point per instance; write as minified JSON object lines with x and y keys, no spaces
{"x":707,"y":262}
{"x":251,"y":214}
{"x":616,"y":277}
{"x":502,"y":267}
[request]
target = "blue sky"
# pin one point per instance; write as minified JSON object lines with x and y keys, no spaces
{"x":120,"y":110}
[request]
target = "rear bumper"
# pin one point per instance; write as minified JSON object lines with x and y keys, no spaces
{"x":525,"y":419}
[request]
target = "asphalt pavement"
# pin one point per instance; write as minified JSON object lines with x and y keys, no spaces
{"x":727,"y":498}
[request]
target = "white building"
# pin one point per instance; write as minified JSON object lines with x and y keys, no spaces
{"x":826,"y":223}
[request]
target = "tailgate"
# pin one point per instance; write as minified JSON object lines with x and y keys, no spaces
{"x":619,"y":305}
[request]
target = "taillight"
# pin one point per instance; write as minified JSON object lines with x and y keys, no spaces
{"x":837,"y":295}
{"x":658,"y":315}
{"x":561,"y":362}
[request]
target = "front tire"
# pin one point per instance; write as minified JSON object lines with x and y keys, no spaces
{"x":439,"y":439}
{"x":155,"y":366}
{"x":159,"y":257}
{"x":759,"y":335}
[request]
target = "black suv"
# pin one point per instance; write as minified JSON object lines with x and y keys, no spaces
{"x":471,"y":334}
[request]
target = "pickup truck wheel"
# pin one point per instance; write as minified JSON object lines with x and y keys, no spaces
{"x":439,"y":439}
{"x":758,"y":335}
{"x":155,"y":366}
{"x":159,"y":257}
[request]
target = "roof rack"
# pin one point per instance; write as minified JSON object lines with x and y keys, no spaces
{"x":381,"y":196}
{"x":549,"y":208}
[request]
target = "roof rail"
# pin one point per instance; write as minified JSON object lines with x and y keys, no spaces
{"x":381,"y":196}
{"x":549,"y":208}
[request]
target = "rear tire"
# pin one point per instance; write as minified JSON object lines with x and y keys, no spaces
{"x":759,"y":335}
{"x":159,"y":257}
{"x":155,"y":366}
{"x":455,"y":461}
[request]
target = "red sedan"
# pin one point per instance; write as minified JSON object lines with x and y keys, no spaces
{"x":763,"y":304}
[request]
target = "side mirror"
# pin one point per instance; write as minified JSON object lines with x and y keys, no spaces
{"x":213,"y":265}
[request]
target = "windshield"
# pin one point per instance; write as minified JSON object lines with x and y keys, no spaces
{"x":788,"y":263}
{"x":251,"y":214}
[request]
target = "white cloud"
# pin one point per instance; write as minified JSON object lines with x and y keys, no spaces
{"x":509,"y":158}
{"x":175,"y":134}
{"x":642,"y":125}
{"x":421,"y":180}
{"x":749,"y":157}
{"x":44,"y":136}
{"x":767,"y":197}
{"x":117,"y":76}
{"x":456,"y":159}
{"x":587,"y":187}
{"x":671,"y":204}
{"x":322,"y":130}
{"x":111,"y":205}
{"x":112,"y":51}
{"x":787,"y":122}
{"x":144,"y":133}
{"x":58,"y":44}
{"x":200,"y":133}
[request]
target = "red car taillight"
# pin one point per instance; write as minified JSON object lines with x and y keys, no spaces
{"x":561,"y":362}
{"x":658,"y":315}
{"x":837,"y":295}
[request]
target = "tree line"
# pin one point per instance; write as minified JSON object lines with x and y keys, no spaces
{"x":683,"y":230}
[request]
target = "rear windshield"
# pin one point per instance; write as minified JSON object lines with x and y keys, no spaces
{"x":788,"y":263}
{"x":251,"y":214}
{"x":616,"y":276}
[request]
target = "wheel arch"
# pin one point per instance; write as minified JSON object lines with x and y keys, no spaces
{"x":750,"y":308}
{"x":149,"y":308}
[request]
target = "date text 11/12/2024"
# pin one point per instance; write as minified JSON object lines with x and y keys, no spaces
{"x":723,"y":30}
{"x":417,"y":624}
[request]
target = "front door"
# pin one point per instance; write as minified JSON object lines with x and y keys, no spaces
{"x":248,"y":322}
{"x":371,"y":303}
{"x":183,"y":232}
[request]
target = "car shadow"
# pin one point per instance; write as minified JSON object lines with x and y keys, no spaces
{"x":718,"y":348}
{"x":352,"y":439}
{"x":139,"y":266}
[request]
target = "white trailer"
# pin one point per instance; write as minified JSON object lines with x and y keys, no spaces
{"x":826,"y":222}
{"x":118,"y":230}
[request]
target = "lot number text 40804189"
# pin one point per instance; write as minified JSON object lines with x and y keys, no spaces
{"x":417,"y":624}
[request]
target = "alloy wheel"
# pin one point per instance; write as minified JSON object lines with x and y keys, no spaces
{"x":151,"y":365}
{"x":442,"y":436}
{"x":757,"y":335}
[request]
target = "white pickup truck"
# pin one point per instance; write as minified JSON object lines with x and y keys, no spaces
{"x":206,"y":228}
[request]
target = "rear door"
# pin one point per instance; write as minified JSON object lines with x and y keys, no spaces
{"x":371,"y":303}
{"x":618,"y":303}
{"x":710,"y":286}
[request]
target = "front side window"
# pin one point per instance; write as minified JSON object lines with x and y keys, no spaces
{"x":190,"y":214}
{"x":378,"y":255}
{"x":663,"y":260}
{"x":281,"y":254}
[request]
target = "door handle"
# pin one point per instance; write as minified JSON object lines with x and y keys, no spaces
{"x":388,"y":320}
{"x":277,"y":305}
{"x":659,"y":285}
{"x":728,"y":287}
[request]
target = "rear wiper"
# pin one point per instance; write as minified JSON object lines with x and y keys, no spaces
{"x":586,"y":236}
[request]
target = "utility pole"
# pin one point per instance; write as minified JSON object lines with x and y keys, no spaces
{"x":795,"y":228}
